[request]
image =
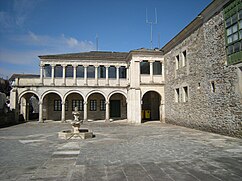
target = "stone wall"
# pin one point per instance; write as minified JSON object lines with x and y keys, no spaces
{"x":213,"y":104}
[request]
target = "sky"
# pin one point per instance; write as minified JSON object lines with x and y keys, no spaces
{"x":29,"y":28}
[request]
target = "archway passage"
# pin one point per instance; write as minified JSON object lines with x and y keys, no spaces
{"x":52,"y":107}
{"x":29,"y":106}
{"x":151,"y":106}
{"x":96,"y":106}
{"x":118,"y":106}
{"x":74,"y":100}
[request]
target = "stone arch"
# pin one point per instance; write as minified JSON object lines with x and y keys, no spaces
{"x":71,"y":92}
{"x":151,"y":106}
{"x":117,"y":92}
{"x":150,"y":90}
{"x":52,"y":105}
{"x":51,"y":91}
{"x":93,"y":92}
{"x":72,"y":99}
{"x":28,"y":102}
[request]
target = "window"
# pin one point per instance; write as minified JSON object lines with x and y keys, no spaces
{"x":145,"y":67}
{"x":69,"y":71}
{"x":185,"y":94}
{"x":112,"y":72}
{"x":177,"y":95}
{"x":47,"y":70}
{"x":177,"y":62}
{"x":66,"y":105}
{"x":80,"y":71}
{"x":213,"y":89}
{"x":157,"y":68}
{"x":102,"y":105}
{"x":101,"y":71}
{"x":93,"y":105}
{"x":184,"y":58}
{"x":233,"y":31}
{"x":122,"y":72}
{"x":78,"y":104}
{"x":58,"y":71}
{"x":57,"y":105}
{"x":90,"y":71}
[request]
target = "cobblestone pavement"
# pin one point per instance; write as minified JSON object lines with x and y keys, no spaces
{"x":119,"y":151}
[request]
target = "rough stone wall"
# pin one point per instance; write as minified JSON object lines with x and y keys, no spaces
{"x":219,"y":111}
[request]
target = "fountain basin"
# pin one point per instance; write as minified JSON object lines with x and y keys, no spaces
{"x":83,"y":133}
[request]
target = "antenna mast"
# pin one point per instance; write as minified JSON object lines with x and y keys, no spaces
{"x":151,"y":27}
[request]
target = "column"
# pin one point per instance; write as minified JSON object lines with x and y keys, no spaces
{"x":64,"y":75}
{"x":151,"y":72}
{"x":107,"y":80}
{"x":85,"y":111}
{"x":41,"y":112}
{"x":117,"y":75}
{"x":74,"y":75}
{"x":63,"y":112}
{"x":96,"y":74}
{"x":85,"y":74}
{"x":41,"y":74}
{"x":107,"y":112}
{"x":52,"y":74}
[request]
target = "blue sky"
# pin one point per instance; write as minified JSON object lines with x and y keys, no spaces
{"x":29,"y":28}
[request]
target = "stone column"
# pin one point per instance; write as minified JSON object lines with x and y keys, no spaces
{"x":64,"y":75}
{"x":85,"y":74}
{"x":107,"y":79}
{"x":151,"y":72}
{"x":74,"y":75}
{"x":85,"y":111}
{"x":41,"y":112}
{"x":117,"y":75}
{"x":107,"y":112}
{"x":63,"y":112}
{"x":52,"y":74}
{"x":41,"y":74}
{"x":96,"y":74}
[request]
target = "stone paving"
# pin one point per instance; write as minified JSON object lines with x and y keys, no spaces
{"x":119,"y":151}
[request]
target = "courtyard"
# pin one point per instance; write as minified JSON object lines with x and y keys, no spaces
{"x":119,"y":151}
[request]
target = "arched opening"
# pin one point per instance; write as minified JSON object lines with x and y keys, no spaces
{"x":151,"y":106}
{"x":74,"y":100}
{"x":29,"y":106}
{"x":96,"y":106}
{"x":52,"y":106}
{"x":118,"y":106}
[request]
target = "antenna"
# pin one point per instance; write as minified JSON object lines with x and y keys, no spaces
{"x":151,"y":27}
{"x":96,"y":42}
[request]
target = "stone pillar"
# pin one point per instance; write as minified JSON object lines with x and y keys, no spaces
{"x":85,"y":74}
{"x":41,"y":112}
{"x":96,"y":74}
{"x":52,"y":74}
{"x":107,"y":112}
{"x":85,"y":111}
{"x":64,"y":75}
{"x":63,"y":112}
{"x":117,"y":75}
{"x":107,"y":79}
{"x":74,"y":75}
{"x":151,"y":72}
{"x":41,"y":74}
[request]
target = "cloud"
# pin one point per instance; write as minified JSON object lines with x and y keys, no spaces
{"x":58,"y":44}
{"x":17,"y":15}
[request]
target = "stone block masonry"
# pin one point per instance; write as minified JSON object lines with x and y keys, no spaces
{"x":213,"y":103}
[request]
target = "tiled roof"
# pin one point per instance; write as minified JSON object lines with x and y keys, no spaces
{"x":12,"y":78}
{"x":93,"y":55}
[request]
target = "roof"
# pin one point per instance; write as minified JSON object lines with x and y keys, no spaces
{"x":12,"y":78}
{"x":93,"y":55}
{"x":213,"y":8}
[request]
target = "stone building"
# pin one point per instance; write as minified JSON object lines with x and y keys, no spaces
{"x":195,"y":80}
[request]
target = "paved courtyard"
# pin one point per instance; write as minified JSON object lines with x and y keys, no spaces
{"x":119,"y":151}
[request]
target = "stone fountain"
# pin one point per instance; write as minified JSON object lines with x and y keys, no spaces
{"x":77,"y":132}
